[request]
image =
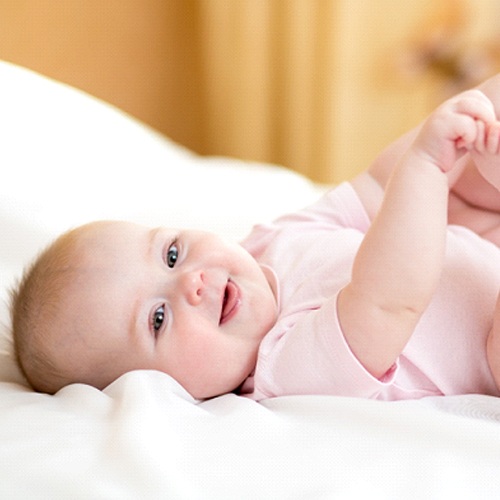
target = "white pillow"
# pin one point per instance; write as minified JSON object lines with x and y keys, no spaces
{"x":68,"y":158}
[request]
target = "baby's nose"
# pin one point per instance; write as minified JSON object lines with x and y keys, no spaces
{"x":192,"y":285}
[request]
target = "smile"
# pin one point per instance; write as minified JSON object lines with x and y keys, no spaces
{"x":231,"y":302}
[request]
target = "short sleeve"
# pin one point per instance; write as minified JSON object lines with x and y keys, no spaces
{"x":313,"y":357}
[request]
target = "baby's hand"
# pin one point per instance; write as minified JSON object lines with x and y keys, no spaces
{"x":486,"y":152}
{"x":457,"y":126}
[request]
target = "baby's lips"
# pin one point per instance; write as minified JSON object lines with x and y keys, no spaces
{"x":230,"y":302}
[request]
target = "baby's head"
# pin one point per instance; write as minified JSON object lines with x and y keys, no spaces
{"x":110,"y":297}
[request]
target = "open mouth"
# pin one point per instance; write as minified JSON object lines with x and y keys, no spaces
{"x":230,"y":302}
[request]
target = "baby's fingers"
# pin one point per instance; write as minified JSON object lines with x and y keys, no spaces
{"x":471,"y":133}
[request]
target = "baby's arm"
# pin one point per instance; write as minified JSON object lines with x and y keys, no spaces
{"x":398,"y":265}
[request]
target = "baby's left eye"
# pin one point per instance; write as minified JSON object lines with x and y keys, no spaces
{"x":172,"y":255}
{"x":158,"y":318}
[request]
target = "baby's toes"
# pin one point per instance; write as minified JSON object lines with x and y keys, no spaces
{"x":493,"y":138}
{"x":480,"y":141}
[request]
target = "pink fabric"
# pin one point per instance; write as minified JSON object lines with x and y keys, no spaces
{"x":311,"y":254}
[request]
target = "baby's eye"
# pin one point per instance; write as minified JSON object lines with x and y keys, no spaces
{"x":172,"y":255}
{"x":158,"y":318}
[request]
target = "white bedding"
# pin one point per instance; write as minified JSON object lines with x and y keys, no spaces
{"x":66,"y":158}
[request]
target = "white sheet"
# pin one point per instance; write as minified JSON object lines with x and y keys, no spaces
{"x":67,"y":158}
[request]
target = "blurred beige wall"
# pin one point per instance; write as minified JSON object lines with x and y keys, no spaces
{"x":317,"y":85}
{"x":141,"y":55}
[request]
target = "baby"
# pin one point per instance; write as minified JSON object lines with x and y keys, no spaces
{"x":370,"y":292}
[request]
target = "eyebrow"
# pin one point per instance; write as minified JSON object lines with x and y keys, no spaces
{"x":153,"y":237}
{"x":134,"y":327}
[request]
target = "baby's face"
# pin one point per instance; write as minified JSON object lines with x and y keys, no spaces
{"x":183,"y":302}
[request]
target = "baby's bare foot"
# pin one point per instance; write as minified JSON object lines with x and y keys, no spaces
{"x":487,"y":155}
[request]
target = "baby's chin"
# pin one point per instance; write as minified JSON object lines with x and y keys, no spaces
{"x":202,"y":394}
{"x":202,"y":391}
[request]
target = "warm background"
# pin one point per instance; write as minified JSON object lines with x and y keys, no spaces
{"x":316,"y":85}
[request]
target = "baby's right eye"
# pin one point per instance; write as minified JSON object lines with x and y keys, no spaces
{"x":158,"y":319}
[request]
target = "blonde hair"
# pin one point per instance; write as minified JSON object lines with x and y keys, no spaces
{"x":36,"y":302}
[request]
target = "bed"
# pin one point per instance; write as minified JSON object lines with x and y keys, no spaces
{"x":67,"y":158}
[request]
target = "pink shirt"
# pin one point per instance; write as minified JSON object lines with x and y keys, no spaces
{"x":311,"y":254}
